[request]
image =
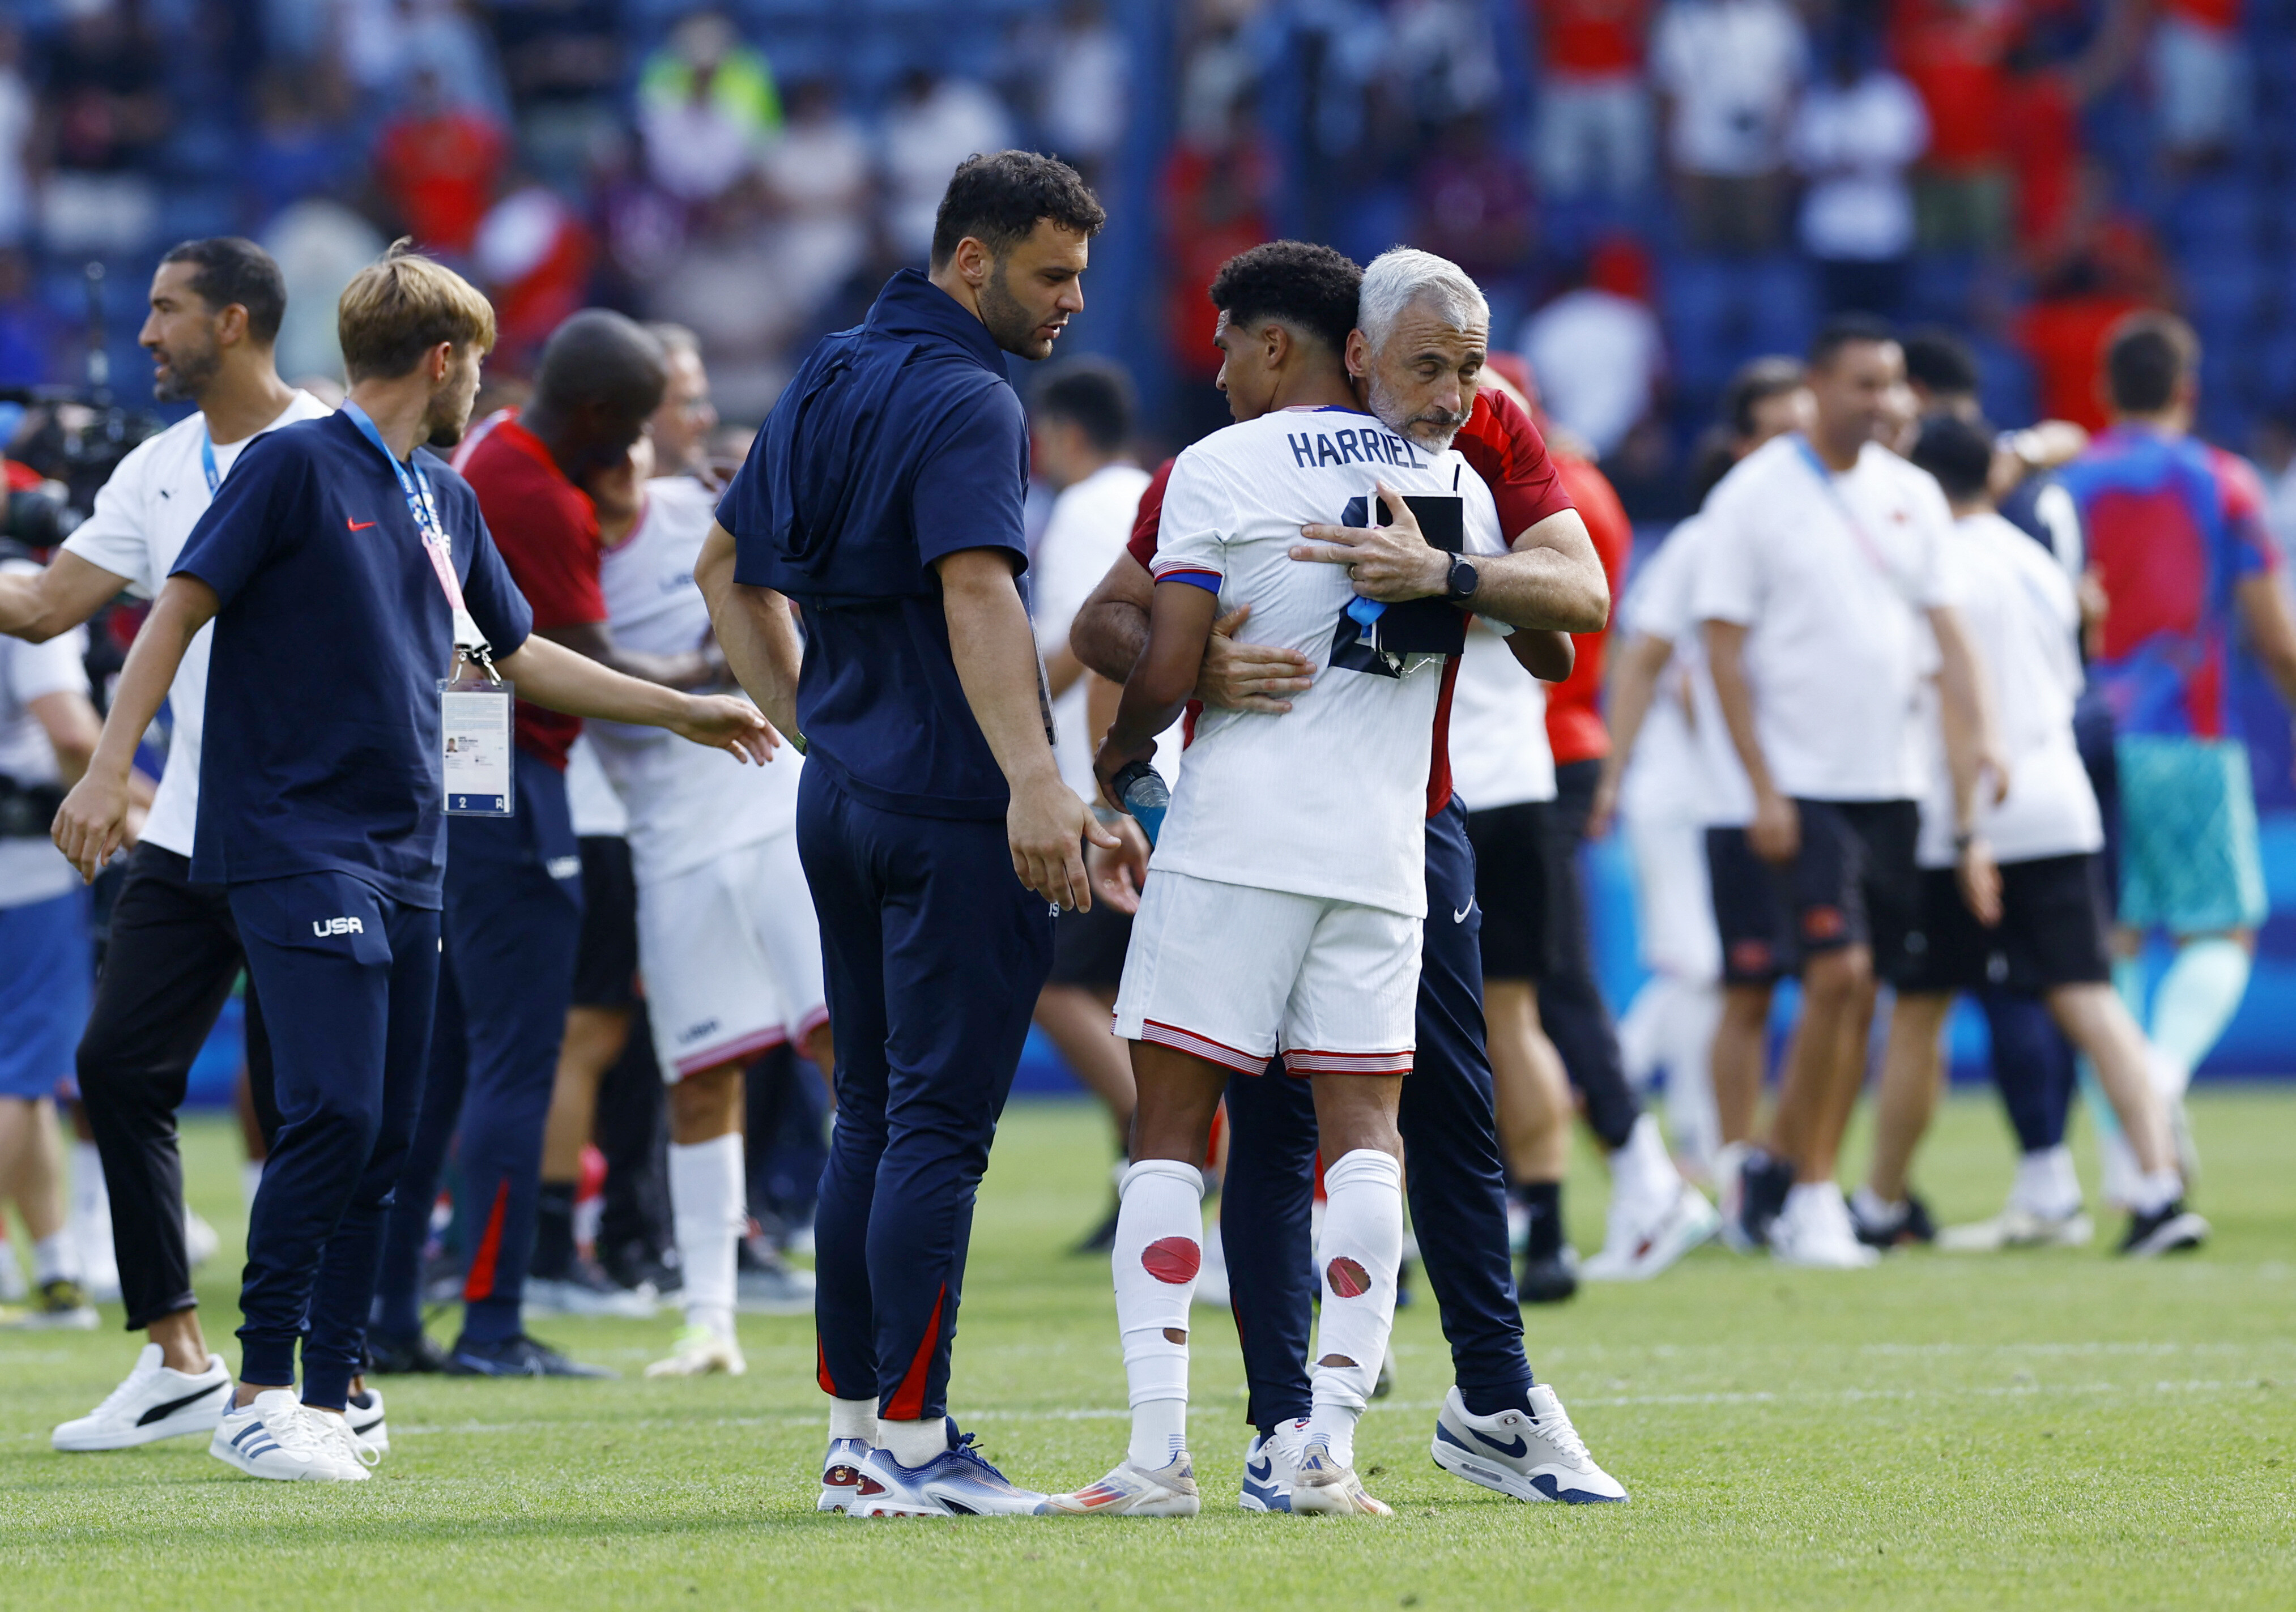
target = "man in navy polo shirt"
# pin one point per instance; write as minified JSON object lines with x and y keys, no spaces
{"x":884,"y":498}
{"x":345,"y":574}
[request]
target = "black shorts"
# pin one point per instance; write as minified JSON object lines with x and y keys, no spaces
{"x":2052,"y":931}
{"x":1088,"y":948}
{"x":1758,"y":946}
{"x":606,"y":961}
{"x":1855,"y":881}
{"x":1514,"y":855}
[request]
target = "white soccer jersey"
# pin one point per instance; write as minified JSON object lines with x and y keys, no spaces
{"x":142,"y":517}
{"x":687,"y":806}
{"x":1329,"y":799}
{"x":1684,"y":762}
{"x":31,"y":869}
{"x":1830,"y":575}
{"x":1090,"y":525}
{"x":2022,"y":617}
{"x":1500,"y":755}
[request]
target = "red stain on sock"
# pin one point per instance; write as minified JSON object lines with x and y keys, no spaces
{"x":1347,"y":1280}
{"x":1175,"y":1260}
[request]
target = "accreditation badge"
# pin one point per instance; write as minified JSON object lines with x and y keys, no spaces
{"x":474,"y":716}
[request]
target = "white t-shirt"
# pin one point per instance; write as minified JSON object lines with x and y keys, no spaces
{"x":1596,"y":355}
{"x":1500,"y":756}
{"x":1855,"y":143}
{"x":1090,"y":525}
{"x":687,"y":806}
{"x":142,"y":517}
{"x":1830,"y":576}
{"x":1330,"y":798}
{"x":590,"y":800}
{"x":2022,"y":617}
{"x":1678,"y":772}
{"x":32,"y":869}
{"x":1732,"y":67}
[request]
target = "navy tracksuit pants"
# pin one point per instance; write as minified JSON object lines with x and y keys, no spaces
{"x":514,"y":921}
{"x":934,"y":953}
{"x":1457,"y":1183}
{"x":347,"y":977}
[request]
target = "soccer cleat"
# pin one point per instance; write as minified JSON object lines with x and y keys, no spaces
{"x":1533,"y":1456}
{"x":585,"y":1291}
{"x":2018,"y":1227}
{"x":765,"y":1284}
{"x":1909,"y":1225}
{"x":1131,"y":1491}
{"x":60,"y":1306}
{"x":403,"y":1357}
{"x":1268,"y":1473}
{"x":840,"y":1474}
{"x":363,"y":1413}
{"x":2171,"y":1229}
{"x":958,"y":1482}
{"x":700,"y":1352}
{"x":1321,"y":1487}
{"x":1636,"y":1253}
{"x":519,"y":1356}
{"x":1814,"y":1231}
{"x":154,"y":1402}
{"x":278,"y":1438}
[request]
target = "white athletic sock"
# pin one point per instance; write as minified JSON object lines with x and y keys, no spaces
{"x":1159,"y":1227}
{"x":709,"y":1201}
{"x":1693,"y":1009}
{"x":250,"y":1180}
{"x":1358,"y":1255}
{"x":2156,"y":1190}
{"x":1641,"y":1169}
{"x":54,"y":1259}
{"x":913,"y":1444}
{"x":1873,"y":1210}
{"x":2046,"y":1185}
{"x":91,"y":1211}
{"x":853,"y":1418}
{"x":2198,"y":996}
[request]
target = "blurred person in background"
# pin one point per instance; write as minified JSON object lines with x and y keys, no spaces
{"x":107,"y":111}
{"x":1083,"y":86}
{"x":1859,"y":127}
{"x":435,"y":162}
{"x":819,"y":180}
{"x":1727,"y":72}
{"x":707,"y":105}
{"x":933,"y":124}
{"x":1597,"y":348}
{"x":2200,"y":73}
{"x":19,"y":121}
{"x":1954,"y":52}
{"x":1593,"y":136}
{"x":48,"y":729}
{"x":1080,"y":425}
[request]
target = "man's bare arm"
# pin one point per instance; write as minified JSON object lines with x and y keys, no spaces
{"x":698,"y":668}
{"x":1633,"y":675}
{"x":1112,"y":630}
{"x":60,"y":597}
{"x":1776,"y":831}
{"x":996,"y":656}
{"x":1180,"y":627}
{"x":2264,"y":611}
{"x":559,"y":679}
{"x":1550,"y":579}
{"x":754,"y":630}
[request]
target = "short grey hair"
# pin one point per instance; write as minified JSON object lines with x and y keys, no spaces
{"x":1405,"y":275}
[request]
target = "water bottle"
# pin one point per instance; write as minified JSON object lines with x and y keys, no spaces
{"x":1145,"y":795}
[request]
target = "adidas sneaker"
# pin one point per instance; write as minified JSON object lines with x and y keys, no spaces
{"x":1321,"y":1487}
{"x":275,"y":1438}
{"x":1132,"y":1491}
{"x":155,"y":1402}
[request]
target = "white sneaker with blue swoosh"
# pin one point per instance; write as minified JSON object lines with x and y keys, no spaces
{"x":1267,"y":1475}
{"x":1536,"y":1455}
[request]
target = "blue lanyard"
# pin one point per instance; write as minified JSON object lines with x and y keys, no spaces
{"x":1866,"y":545}
{"x":207,"y":459}
{"x":413,"y":481}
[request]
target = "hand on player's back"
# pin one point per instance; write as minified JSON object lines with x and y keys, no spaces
{"x":1391,"y":563}
{"x":1250,"y":676}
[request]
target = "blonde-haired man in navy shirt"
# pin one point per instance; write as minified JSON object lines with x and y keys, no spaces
{"x":345,"y":572}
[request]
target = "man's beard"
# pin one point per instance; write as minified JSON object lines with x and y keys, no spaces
{"x":188,"y":374}
{"x":1430,"y":428}
{"x":1010,"y":325}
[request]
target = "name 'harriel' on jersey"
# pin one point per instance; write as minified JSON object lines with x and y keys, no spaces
{"x":1364,"y":445}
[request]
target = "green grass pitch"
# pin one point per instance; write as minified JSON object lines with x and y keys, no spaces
{"x":2052,"y":1429}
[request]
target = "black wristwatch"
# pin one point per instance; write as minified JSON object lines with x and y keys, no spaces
{"x":1460,"y":584}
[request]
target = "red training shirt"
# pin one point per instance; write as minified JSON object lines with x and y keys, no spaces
{"x":1574,"y":708}
{"x":1499,"y":444}
{"x":546,"y":529}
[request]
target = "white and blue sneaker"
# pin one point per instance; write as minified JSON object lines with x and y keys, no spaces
{"x":276,"y":1438}
{"x":364,"y":1411}
{"x":1268,"y":1473}
{"x":1133,"y":1490}
{"x":958,"y":1482}
{"x":1322,"y":1486}
{"x":1532,"y":1456}
{"x":840,"y":1474}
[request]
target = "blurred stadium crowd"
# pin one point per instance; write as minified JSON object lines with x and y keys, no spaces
{"x":1652,"y":191}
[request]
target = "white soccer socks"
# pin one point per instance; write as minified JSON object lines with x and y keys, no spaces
{"x":1359,"y":1254}
{"x":2045,"y":1185}
{"x":1160,"y":1229}
{"x":708,"y":1199}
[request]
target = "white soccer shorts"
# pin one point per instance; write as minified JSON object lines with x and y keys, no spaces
{"x":1232,"y":974}
{"x":1673,"y":903}
{"x":730,"y":954}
